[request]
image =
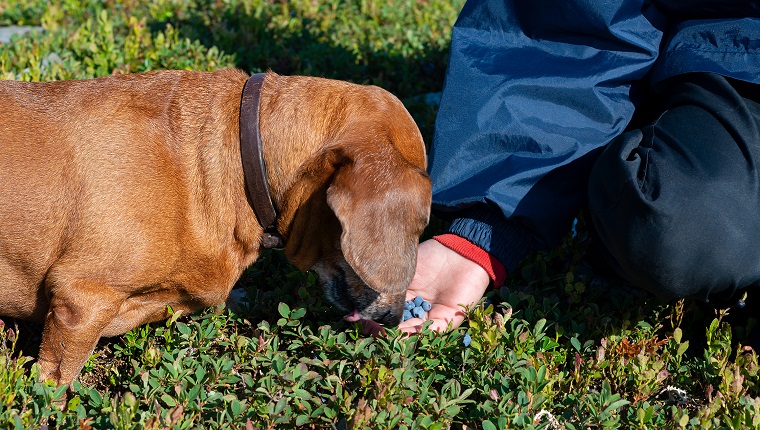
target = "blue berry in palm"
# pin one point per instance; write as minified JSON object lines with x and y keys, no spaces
{"x":407,"y":315}
{"x":426,"y":305}
{"x":409,"y":305}
{"x":418,"y":312}
{"x":418,"y":300}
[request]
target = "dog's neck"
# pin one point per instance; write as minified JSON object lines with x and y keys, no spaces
{"x":254,"y":168}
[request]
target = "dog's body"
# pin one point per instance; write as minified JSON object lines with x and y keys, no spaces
{"x":125,"y":194}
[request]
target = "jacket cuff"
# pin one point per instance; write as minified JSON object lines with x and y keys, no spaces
{"x":503,"y":238}
{"x":472,"y":252}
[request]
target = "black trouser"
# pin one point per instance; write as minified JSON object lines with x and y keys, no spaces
{"x":675,"y":203}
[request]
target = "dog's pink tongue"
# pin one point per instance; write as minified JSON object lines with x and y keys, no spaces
{"x":353,"y":316}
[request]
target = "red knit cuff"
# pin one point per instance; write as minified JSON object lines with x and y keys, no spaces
{"x":476,"y":254}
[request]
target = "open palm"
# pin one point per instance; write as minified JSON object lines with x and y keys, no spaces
{"x":448,"y":281}
{"x":445,"y":279}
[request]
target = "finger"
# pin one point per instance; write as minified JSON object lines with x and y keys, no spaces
{"x":444,"y":325}
{"x":441,"y":325}
{"x":413,"y":325}
{"x":371,"y":328}
{"x":447,"y":314}
{"x":374,"y":330}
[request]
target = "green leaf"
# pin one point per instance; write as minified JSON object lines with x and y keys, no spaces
{"x":184,"y":329}
{"x":539,"y":326}
{"x":236,"y":407}
{"x":60,"y":392}
{"x":298,"y":313}
{"x":488,"y":425}
{"x":452,"y":411}
{"x":541,"y":374}
{"x":174,"y":317}
{"x":169,"y":400}
{"x":280,"y":405}
{"x":96,"y":400}
{"x":615,"y":405}
{"x":302,"y":394}
{"x":682,"y":348}
{"x":576,"y":343}
{"x":283,"y":309}
{"x":193,"y":393}
{"x":74,"y":403}
{"x":172,"y":370}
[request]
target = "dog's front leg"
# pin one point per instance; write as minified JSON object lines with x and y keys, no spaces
{"x":77,"y":315}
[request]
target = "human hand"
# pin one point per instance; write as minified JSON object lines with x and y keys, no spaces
{"x":448,"y":281}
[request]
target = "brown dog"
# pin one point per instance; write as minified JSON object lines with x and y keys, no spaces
{"x":125,"y":194}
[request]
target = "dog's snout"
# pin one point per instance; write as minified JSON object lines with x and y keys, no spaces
{"x":346,"y":290}
{"x":387,"y":309}
{"x":391,"y":316}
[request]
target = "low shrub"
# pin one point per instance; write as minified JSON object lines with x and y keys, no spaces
{"x":558,"y":347}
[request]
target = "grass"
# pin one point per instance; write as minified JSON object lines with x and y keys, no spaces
{"x":558,"y":347}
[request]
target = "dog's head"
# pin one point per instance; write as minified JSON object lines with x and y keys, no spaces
{"x":356,"y":210}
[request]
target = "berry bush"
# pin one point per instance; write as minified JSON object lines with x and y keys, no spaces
{"x":558,"y":347}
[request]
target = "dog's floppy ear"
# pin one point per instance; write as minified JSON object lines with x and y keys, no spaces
{"x":371,"y":197}
{"x":310,"y":223}
{"x":383,"y":203}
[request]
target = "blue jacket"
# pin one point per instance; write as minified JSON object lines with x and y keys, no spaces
{"x":535,"y":88}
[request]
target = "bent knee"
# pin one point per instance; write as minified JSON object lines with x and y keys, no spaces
{"x":675,"y":256}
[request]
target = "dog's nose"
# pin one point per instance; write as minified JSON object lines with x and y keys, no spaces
{"x":390,"y":317}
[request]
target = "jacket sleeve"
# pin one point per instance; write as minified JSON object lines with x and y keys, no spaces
{"x":533,"y":89}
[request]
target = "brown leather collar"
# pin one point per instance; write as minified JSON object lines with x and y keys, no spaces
{"x":254,"y":170}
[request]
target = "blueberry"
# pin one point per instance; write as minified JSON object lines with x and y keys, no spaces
{"x":418,"y":300}
{"x":409,"y":305}
{"x":426,"y":305}
{"x":418,"y":312}
{"x":407,"y":315}
{"x":466,"y":340}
